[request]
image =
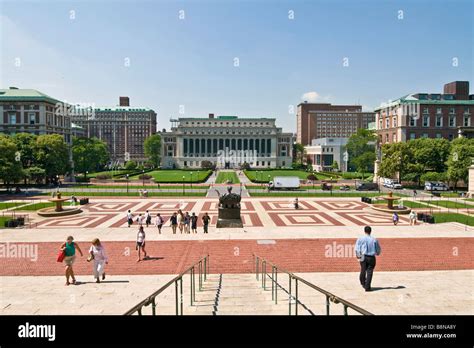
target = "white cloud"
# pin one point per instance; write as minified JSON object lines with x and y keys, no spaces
{"x":311,"y":97}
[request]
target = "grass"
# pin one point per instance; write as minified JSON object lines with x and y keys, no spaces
{"x":449,"y":204}
{"x":115,"y":173}
{"x":137,"y":187}
{"x":41,"y":205}
{"x":135,"y":194}
{"x":2,"y":221}
{"x":450,"y":194}
{"x":453,"y":217}
{"x":224,"y":177}
{"x":176,"y":176}
{"x":263,"y":176}
{"x":7,"y":205}
{"x":412,"y":204}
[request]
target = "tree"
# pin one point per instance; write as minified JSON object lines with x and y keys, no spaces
{"x":89,"y":154}
{"x":335,"y":166}
{"x":25,"y":143}
{"x":11,"y":169}
{"x":395,"y":157}
{"x":460,"y":158}
{"x":131,"y":165}
{"x":430,"y":153}
{"x":360,"y":148}
{"x":299,"y":151}
{"x":52,"y":154}
{"x":35,"y":174}
{"x":153,"y":149}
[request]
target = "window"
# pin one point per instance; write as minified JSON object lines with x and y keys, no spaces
{"x":412,"y":121}
{"x":32,"y":117}
{"x":467,"y":121}
{"x":387,"y":123}
{"x":438,"y":135}
{"x":425,"y":135}
{"x":438,"y":110}
{"x":426,"y":111}
{"x":452,"y":110}
{"x":412,"y":136}
{"x":439,"y":121}
{"x":395,"y":121}
{"x":394,"y":138}
{"x":452,"y":121}
{"x":426,"y":121}
{"x":12,"y":117}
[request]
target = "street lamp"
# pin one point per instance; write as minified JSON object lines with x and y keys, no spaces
{"x":183,"y":186}
{"x":87,"y":181}
{"x":126,"y":175}
{"x":191,"y":179}
{"x":143,"y":177}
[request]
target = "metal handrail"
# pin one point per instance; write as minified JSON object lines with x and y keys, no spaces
{"x":330,"y":297}
{"x":203,"y":268}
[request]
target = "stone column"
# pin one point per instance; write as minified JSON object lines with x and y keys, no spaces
{"x":471,"y":181}
{"x":376,"y":171}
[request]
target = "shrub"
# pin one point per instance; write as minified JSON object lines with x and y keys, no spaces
{"x":312,"y":177}
{"x":103,"y":177}
{"x":145,"y":177}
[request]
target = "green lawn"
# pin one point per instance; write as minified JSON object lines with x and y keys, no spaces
{"x":6,"y":205}
{"x":263,"y":176}
{"x":137,"y":187}
{"x":41,"y":205}
{"x":115,"y":173}
{"x":452,"y":217}
{"x":450,"y":194}
{"x":80,"y":194}
{"x":450,"y":204}
{"x":2,"y":221}
{"x":412,"y":204}
{"x":224,"y":177}
{"x":176,"y":176}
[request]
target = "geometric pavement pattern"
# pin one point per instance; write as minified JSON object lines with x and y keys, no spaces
{"x":255,"y":213}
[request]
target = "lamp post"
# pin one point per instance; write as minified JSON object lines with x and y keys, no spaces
{"x":143,"y":177}
{"x":183,"y":186}
{"x":57,"y":180}
{"x":191,"y":179}
{"x":87,"y":181}
{"x":126,"y":175}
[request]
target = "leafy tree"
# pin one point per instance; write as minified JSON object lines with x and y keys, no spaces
{"x":11,"y":169}
{"x":431,"y":154}
{"x":361,"y":150}
{"x":434,"y":176}
{"x":395,"y":158}
{"x":460,"y":158}
{"x":25,"y":143}
{"x":153,"y":149}
{"x":35,"y":174}
{"x":89,"y":154}
{"x":131,"y":165}
{"x":335,"y":166}
{"x":299,"y":151}
{"x":52,"y":154}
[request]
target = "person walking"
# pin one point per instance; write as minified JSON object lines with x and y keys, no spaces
{"x":413,"y":216}
{"x":366,"y":248}
{"x":187,"y":221}
{"x":205,"y":222}
{"x":194,"y":220}
{"x":129,"y":218}
{"x":99,"y":259}
{"x":180,"y":220}
{"x":141,"y":243}
{"x":147,"y":218}
{"x":69,"y":249}
{"x":395,"y":218}
{"x":140,"y":219}
{"x":174,"y":222}
{"x":159,"y":222}
{"x":414,"y":193}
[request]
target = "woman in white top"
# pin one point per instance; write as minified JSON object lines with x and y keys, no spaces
{"x":99,"y":258}
{"x":159,"y":222}
{"x":180,"y":220}
{"x":141,"y":243}
{"x":413,"y":217}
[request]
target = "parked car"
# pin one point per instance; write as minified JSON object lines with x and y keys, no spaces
{"x":326,"y":187}
{"x":436,"y":186}
{"x":367,"y":186}
{"x":344,"y":188}
{"x":284,"y":183}
{"x":395,"y":185}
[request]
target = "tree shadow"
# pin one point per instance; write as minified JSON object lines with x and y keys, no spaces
{"x":152,"y":258}
{"x":102,"y":281}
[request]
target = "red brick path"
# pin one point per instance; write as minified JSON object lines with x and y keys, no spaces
{"x":235,"y":256}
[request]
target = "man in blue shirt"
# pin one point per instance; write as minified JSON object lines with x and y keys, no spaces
{"x":365,"y":249}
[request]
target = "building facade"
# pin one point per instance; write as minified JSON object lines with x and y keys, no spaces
{"x":227,"y":142}
{"x":319,"y":120}
{"x":424,"y":115}
{"x":325,"y":151}
{"x":30,"y":111}
{"x":123,"y":128}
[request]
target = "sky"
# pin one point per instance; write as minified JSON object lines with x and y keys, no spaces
{"x":256,"y":58}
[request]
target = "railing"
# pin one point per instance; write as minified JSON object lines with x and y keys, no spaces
{"x":203,"y":270}
{"x":261,"y":268}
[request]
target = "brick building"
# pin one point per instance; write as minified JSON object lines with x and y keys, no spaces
{"x":323,"y":120}
{"x":124,"y":128}
{"x":429,"y":115}
{"x":30,"y":111}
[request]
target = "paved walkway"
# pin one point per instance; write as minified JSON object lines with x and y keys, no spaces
{"x":395,"y":293}
{"x":236,"y":256}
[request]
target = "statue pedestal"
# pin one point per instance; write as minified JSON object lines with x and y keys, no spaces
{"x":229,"y":218}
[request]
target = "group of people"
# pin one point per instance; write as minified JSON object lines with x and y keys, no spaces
{"x":184,"y":222}
{"x":97,"y":256}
